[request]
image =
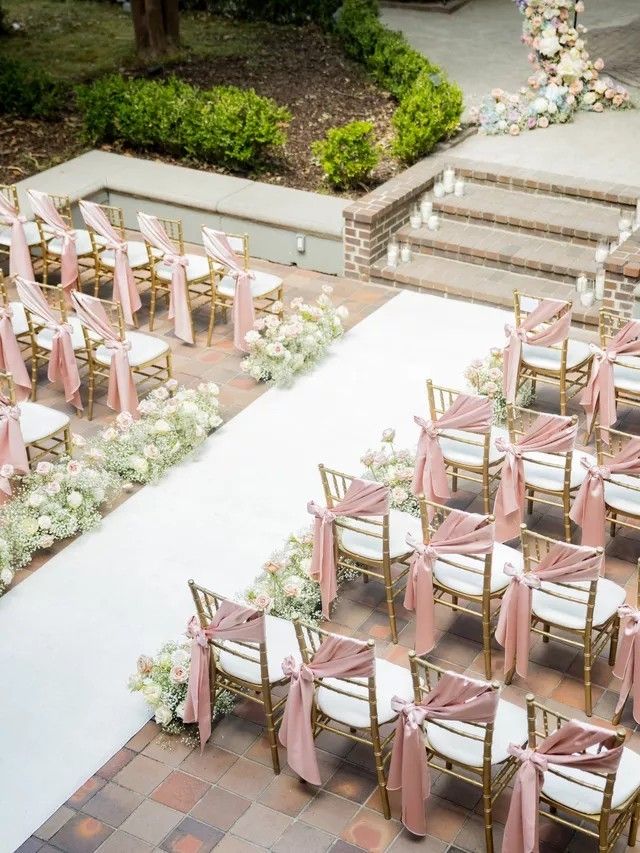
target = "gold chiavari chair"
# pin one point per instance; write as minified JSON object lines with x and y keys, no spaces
{"x":42,"y":337}
{"x":476,"y":579}
{"x":31,"y":232}
{"x":564,"y":365}
{"x":19,"y":321}
{"x":149,"y":357}
{"x":581,"y":615}
{"x":626,"y":370}
{"x":621,"y":491}
{"x":45,"y":431}
{"x":375,"y":544}
{"x":247,"y":669}
{"x":476,"y":753}
{"x":468,"y":456}
{"x":51,"y":246}
{"x":598,"y":805}
{"x":357,"y":708}
{"x":551,"y":479}
{"x":200,"y":284}
{"x":618,"y":715}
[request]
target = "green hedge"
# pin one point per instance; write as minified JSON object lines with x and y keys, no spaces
{"x":430,"y":105}
{"x":232,"y":127}
{"x":275,"y":11}
{"x":348,"y":154}
{"x":29,"y":92}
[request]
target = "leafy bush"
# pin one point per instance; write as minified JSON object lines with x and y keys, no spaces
{"x":348,"y":154}
{"x":30,"y":92}
{"x":233,"y":127}
{"x":276,"y":11}
{"x":427,"y":114}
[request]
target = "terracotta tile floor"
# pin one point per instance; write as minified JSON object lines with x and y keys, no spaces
{"x":159,"y":794}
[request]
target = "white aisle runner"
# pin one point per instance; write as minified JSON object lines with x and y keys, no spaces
{"x":70,"y":634}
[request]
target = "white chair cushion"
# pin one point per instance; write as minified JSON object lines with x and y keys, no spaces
{"x":262,"y":284}
{"x":626,"y":374}
{"x":19,"y":318}
{"x":510,"y":727}
{"x":620,"y":498}
{"x":83,"y":244}
{"x":365,"y":545}
{"x":44,"y":338}
{"x":30,"y":231}
{"x":136,"y":251}
{"x":470,"y":454}
{"x":198,"y":268}
{"x":548,"y":358}
{"x":573,"y":614}
{"x":470,"y":583}
{"x":391,"y":680}
{"x":281,"y":642}
{"x":586,"y":800}
{"x":38,"y":421}
{"x":553,"y":478}
{"x":144,"y":348}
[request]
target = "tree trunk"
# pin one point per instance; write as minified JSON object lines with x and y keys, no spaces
{"x":156,"y":25}
{"x":171,"y":21}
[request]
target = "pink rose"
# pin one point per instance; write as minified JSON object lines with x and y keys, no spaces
{"x":598,"y":64}
{"x":272,"y":568}
{"x":144,"y":665}
{"x":543,"y":121}
{"x":609,"y":93}
{"x":497,"y":93}
{"x":262,"y":601}
{"x":44,"y":468}
{"x":618,"y":100}
{"x":74,"y":467}
{"x":179,"y":674}
{"x":599,"y":107}
{"x":514,"y":130}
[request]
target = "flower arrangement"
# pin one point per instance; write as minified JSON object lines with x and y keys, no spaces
{"x":484,"y":376}
{"x":281,"y":348}
{"x":163,"y":681}
{"x":564,"y":79}
{"x":394,"y":468}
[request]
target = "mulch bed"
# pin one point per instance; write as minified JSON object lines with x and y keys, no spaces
{"x":300,"y":68}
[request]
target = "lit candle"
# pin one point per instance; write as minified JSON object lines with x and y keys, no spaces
{"x":438,"y":189}
{"x":426,"y":208}
{"x":602,"y":251}
{"x":433,"y":222}
{"x":449,"y":179}
{"x":600,"y":276}
{"x":586,"y":298}
{"x":458,"y":189}
{"x":415,"y":219}
{"x":405,"y":253}
{"x":581,"y":283}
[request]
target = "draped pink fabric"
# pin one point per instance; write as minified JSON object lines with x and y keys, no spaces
{"x":19,"y":254}
{"x":627,"y":666}
{"x":454,"y":697}
{"x":11,"y":360}
{"x":13,"y":452}
{"x":588,"y":508}
{"x":63,"y":366}
{"x":549,"y":434}
{"x":550,"y":334}
{"x":467,"y":412}
{"x":564,"y":563}
{"x":179,"y":310}
{"x":599,"y":395}
{"x":566,"y":747}
{"x":337,"y":657}
{"x":218,"y":247}
{"x":124,"y":286}
{"x":121,"y":392}
{"x":44,"y":207}
{"x":363,"y":498}
{"x":460,"y":533}
{"x":232,"y":622}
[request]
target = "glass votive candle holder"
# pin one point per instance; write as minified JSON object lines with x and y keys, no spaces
{"x":582,"y":282}
{"x":599,"y":285}
{"x":438,"y":189}
{"x":449,"y":179}
{"x":405,"y":253}
{"x":458,"y":189}
{"x":586,"y":298}
{"x":426,"y":208}
{"x":602,"y":251}
{"x":433,"y":223}
{"x":415,"y":220}
{"x":393,"y":253}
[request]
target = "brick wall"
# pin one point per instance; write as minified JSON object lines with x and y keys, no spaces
{"x":622,"y":284}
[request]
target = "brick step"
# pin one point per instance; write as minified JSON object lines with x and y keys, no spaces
{"x":475,"y":283}
{"x":559,"y":217}
{"x":496,"y":247}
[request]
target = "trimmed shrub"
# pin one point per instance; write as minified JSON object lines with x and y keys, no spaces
{"x":429,"y":112}
{"x":348,"y":154}
{"x":30,"y":92}
{"x":232,"y":127}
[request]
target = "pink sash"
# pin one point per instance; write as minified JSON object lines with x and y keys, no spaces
{"x":363,"y":498}
{"x":121,"y":394}
{"x":549,"y":434}
{"x":124,"y":287}
{"x":467,"y":412}
{"x":627,"y":666}
{"x":44,"y":208}
{"x":460,"y":533}
{"x":588,"y":508}
{"x":62,"y":362}
{"x":218,"y":247}
{"x":337,"y":657}
{"x":548,"y":335}
{"x":599,"y":395}
{"x":13,"y":453}
{"x":566,"y":747}
{"x":19,"y":254}
{"x":563,"y":564}
{"x":11,"y":360}
{"x":231,"y":622}
{"x":454,"y":697}
{"x":179,"y":310}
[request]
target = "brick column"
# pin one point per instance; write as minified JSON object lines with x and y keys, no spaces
{"x":623,"y":277}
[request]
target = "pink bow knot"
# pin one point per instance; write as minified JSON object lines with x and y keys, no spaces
{"x":423,"y":549}
{"x":6,"y":311}
{"x":196,"y":632}
{"x":296,"y":671}
{"x":528,"y":755}
{"x":602,"y":472}
{"x":518,"y":331}
{"x":428,"y":426}
{"x":505,"y":446}
{"x":122,"y":345}
{"x":601,"y":354}
{"x":625,"y":611}
{"x":515,"y":573}
{"x":9,"y":412}
{"x":322,"y":512}
{"x":414,"y":716}
{"x":176,"y":260}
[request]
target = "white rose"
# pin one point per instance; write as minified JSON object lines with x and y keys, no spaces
{"x":569,"y":67}
{"x":98,"y":495}
{"x":44,"y":522}
{"x":35,"y":499}
{"x":163,"y":715}
{"x":252,"y":337}
{"x":590,"y":98}
{"x":139,"y":465}
{"x":151,"y":692}
{"x":74,"y":499}
{"x":541,"y":105}
{"x":215,"y":421}
{"x":305,"y":565}
{"x":162,"y":426}
{"x":180,"y":657}
{"x":109,"y":434}
{"x":6,"y":576}
{"x":552,"y":108}
{"x":549,"y":44}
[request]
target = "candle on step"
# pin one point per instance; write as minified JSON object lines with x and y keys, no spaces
{"x":449,"y":179}
{"x":415,"y":219}
{"x":393,"y":252}
{"x":602,"y":251}
{"x":581,"y":283}
{"x":586,"y":298}
{"x":405,"y":253}
{"x":438,"y":189}
{"x":433,"y":222}
{"x":458,"y":189}
{"x":426,"y":208}
{"x":599,"y":289}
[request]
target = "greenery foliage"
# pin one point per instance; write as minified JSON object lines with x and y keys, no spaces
{"x":225,"y":125}
{"x":348,"y":154}
{"x":30,"y":92}
{"x":275,"y":11}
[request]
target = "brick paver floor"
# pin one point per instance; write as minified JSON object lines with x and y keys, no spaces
{"x":158,"y":793}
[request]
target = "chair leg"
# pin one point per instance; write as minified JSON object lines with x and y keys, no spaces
{"x":487,"y":809}
{"x":508,"y":678}
{"x":152,"y":307}
{"x":271,"y":732}
{"x":388,"y":589}
{"x":486,"y":494}
{"x":567,"y":519}
{"x":454,"y":479}
{"x":34,"y":377}
{"x":588,"y":708}
{"x":92,"y":391}
{"x":613,"y":644}
{"x":529,"y":501}
{"x":486,"y":642}
{"x":380,"y":774}
{"x":68,"y":444}
{"x":633,"y":826}
{"x":212,"y":320}
{"x":545,"y":627}
{"x":612,"y":529}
